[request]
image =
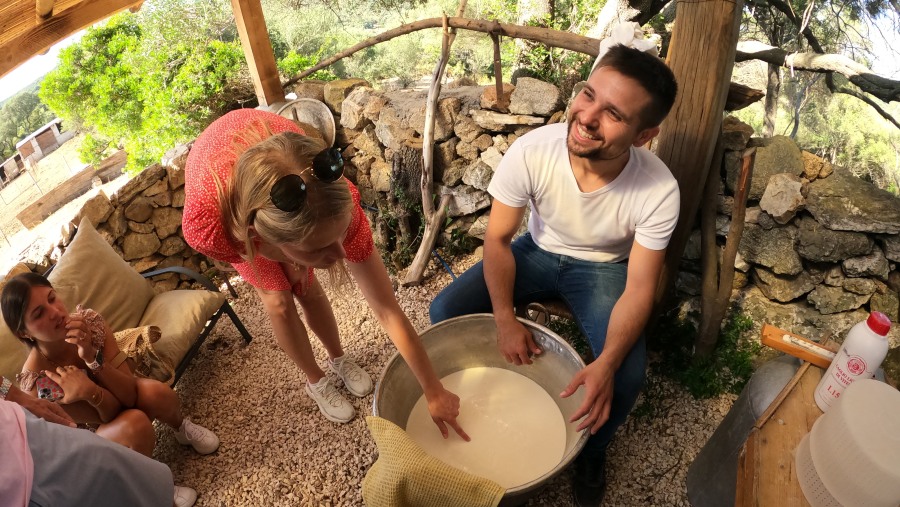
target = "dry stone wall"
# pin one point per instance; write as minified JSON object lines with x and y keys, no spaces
{"x":142,"y":222}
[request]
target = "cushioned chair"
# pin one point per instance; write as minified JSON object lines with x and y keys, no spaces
{"x":91,"y":273}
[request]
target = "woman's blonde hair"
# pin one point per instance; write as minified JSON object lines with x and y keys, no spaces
{"x":262,"y":158}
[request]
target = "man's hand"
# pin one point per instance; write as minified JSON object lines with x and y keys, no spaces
{"x":598,"y":384}
{"x":49,"y":411}
{"x":444,"y":409}
{"x":516,"y":342}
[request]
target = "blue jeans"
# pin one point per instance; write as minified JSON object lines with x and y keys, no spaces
{"x":590,"y":289}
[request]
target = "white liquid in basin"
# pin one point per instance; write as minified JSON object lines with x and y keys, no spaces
{"x":518,"y":433}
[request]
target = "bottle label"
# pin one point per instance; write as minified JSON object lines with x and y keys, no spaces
{"x":856,"y":365}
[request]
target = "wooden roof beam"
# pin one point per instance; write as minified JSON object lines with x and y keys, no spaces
{"x":258,"y":50}
{"x":56,"y":28}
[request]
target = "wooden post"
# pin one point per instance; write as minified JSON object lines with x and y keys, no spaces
{"x":258,"y":50}
{"x":701,"y":54}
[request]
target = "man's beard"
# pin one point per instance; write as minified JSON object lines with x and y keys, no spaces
{"x":600,"y":153}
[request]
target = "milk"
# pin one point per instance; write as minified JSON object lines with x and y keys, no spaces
{"x":518,"y":432}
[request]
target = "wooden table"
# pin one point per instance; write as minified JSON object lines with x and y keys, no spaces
{"x":766,"y":474}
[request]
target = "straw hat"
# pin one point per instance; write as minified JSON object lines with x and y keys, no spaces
{"x":852,"y":455}
{"x":311,"y":113}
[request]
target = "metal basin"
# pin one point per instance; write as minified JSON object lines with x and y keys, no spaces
{"x":470,"y":342}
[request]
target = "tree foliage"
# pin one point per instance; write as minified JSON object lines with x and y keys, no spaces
{"x":21,"y":115}
{"x":131,"y":90}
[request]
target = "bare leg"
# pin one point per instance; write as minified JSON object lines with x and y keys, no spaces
{"x":131,"y":428}
{"x":320,"y":318}
{"x":290,"y":333}
{"x":159,"y":401}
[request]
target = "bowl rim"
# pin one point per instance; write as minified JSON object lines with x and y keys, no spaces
{"x":567,"y":457}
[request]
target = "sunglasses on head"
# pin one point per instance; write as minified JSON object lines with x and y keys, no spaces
{"x":289,"y":193}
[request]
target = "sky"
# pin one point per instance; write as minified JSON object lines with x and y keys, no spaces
{"x":37,"y":66}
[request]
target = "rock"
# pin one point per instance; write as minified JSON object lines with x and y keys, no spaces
{"x":861,"y":286}
{"x":172,"y":245}
{"x":873,"y":264}
{"x":773,"y":249}
{"x":483,"y":142}
{"x":444,"y":116}
{"x":835,"y":299}
{"x":157,"y":188}
{"x":820,"y":244}
{"x":136,"y":246}
{"x":498,"y":122}
{"x":163,"y":199}
{"x":774,"y":155}
{"x":452,"y":175}
{"x":117,"y":222}
{"x":782,"y":198}
{"x":688,"y":283}
{"x":380,"y":175}
{"x":766,"y":221}
{"x":166,"y":221}
{"x":467,"y":151}
{"x":97,"y":209}
{"x":723,"y":225}
{"x":693,"y":248}
{"x":740,"y":264}
{"x":785,"y":288}
{"x":392,"y":129}
{"x":367,"y":142}
{"x":891,"y":245}
{"x":491,"y":157}
{"x":467,"y":129}
{"x":843,"y":202}
{"x":140,"y":210}
{"x":815,"y":167}
{"x":138,"y":184}
{"x":478,"y":174}
{"x":751,"y":215}
{"x":174,"y":160}
{"x":886,"y":301}
{"x":735,"y":134}
{"x":534,"y":97}
{"x":353,"y":107}
{"x":444,"y":154}
{"x":178,"y":198}
{"x":311,"y":89}
{"x":147,"y":263}
{"x":67,"y":232}
{"x":466,"y":200}
{"x":335,"y":92}
{"x":489,"y":97}
{"x":501,"y":143}
{"x":479,"y":227}
{"x":834,"y":276}
{"x":141,"y":227}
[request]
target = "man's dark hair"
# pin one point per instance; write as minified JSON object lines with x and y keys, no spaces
{"x":652,"y":73}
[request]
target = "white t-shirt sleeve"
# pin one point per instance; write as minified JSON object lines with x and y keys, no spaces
{"x":659,"y":217}
{"x":511,"y":183}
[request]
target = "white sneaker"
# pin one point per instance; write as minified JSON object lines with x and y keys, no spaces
{"x":184,"y":496}
{"x":331,"y":403}
{"x":357,"y":381}
{"x":201,"y":439}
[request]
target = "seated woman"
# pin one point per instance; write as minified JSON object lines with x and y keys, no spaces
{"x":68,"y":364}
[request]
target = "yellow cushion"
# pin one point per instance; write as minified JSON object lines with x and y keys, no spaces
{"x":12,"y":351}
{"x":180,"y":316}
{"x":92,"y":274}
{"x":404,"y":475}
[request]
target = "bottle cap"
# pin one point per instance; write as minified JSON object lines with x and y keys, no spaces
{"x":879,"y":323}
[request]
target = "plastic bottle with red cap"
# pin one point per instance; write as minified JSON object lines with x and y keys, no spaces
{"x":862,"y":352}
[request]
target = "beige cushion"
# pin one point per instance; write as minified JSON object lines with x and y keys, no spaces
{"x":180,"y":315}
{"x":12,"y":351}
{"x":92,"y":274}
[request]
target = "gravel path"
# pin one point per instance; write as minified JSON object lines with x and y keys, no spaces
{"x":278,"y":450}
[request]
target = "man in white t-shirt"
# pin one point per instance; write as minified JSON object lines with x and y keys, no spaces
{"x":602,"y":211}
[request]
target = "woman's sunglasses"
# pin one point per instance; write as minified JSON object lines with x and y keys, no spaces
{"x":289,"y":193}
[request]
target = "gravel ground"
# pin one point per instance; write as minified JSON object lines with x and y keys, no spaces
{"x":278,"y":450}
